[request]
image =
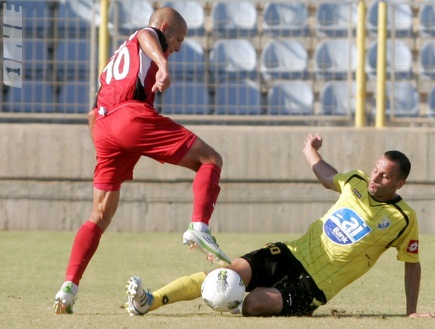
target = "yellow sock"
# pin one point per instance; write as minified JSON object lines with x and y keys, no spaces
{"x":183,"y":288}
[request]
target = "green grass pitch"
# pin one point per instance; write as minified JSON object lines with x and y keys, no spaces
{"x":32,"y":266}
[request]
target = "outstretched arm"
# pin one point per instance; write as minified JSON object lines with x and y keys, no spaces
{"x":324,"y":171}
{"x":412,"y":286}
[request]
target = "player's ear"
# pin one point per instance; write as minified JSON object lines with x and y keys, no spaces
{"x":401,"y":183}
{"x":164,"y":27}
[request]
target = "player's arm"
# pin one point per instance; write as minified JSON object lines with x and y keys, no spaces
{"x":150,"y":44}
{"x":412,"y":286}
{"x":91,"y":122}
{"x":324,"y":171}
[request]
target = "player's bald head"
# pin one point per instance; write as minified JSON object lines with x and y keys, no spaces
{"x":167,"y":15}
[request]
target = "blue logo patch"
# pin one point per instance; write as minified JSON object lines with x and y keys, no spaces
{"x":384,"y":224}
{"x":345,"y":227}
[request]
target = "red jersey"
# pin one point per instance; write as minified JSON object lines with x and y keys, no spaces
{"x":129,"y":75}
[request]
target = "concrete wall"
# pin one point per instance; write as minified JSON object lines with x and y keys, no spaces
{"x":46,"y":178}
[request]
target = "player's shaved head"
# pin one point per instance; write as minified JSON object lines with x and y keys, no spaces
{"x":167,"y":15}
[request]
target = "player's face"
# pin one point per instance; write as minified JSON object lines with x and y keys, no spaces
{"x":385,"y":180}
{"x":175,"y":37}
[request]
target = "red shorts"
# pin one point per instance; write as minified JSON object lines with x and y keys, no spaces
{"x":130,"y":131}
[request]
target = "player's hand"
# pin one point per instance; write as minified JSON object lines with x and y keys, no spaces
{"x":162,"y":81}
{"x":314,"y":141}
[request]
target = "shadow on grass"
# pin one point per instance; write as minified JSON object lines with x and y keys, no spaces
{"x":343,"y":314}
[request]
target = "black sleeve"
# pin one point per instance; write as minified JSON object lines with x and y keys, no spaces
{"x":162,"y":39}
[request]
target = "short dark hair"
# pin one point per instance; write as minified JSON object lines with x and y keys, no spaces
{"x":402,"y":160}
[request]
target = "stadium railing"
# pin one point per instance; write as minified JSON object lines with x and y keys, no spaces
{"x":59,"y":44}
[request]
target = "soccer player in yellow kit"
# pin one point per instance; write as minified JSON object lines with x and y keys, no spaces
{"x":294,"y":278}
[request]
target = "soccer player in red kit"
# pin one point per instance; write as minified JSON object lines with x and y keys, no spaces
{"x":125,"y":126}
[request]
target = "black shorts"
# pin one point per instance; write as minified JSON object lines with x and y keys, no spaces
{"x":275,"y":266}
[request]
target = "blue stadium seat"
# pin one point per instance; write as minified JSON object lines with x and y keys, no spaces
{"x":37,"y":19}
{"x":35,"y":59}
{"x":74,"y":97}
{"x":286,"y":19}
{"x":405,"y":98}
{"x":431,"y":103}
{"x":75,"y":18}
{"x":426,"y":60}
{"x":334,"y":59}
{"x":399,"y":18}
{"x":238,"y":98}
{"x":337,"y":98}
{"x":398,"y":60}
{"x":188,"y":64}
{"x":336,"y":19}
{"x":426,"y":19}
{"x":193,"y":13}
{"x":72,"y":59}
{"x":284,"y":59}
{"x":34,"y":97}
{"x":131,"y":15}
{"x":233,"y":59}
{"x":34,"y":56}
{"x":185,"y":97}
{"x":290,"y":98}
{"x":237,"y":19}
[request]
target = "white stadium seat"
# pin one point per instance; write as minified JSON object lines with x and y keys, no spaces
{"x":283,"y":19}
{"x":284,"y":59}
{"x":290,"y":98}
{"x":233,"y":59}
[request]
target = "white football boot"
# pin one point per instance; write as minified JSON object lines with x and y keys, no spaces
{"x":65,"y":298}
{"x":139,"y":300}
{"x":206,"y":244}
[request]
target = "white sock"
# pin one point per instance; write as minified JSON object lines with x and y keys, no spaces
{"x":200,"y":226}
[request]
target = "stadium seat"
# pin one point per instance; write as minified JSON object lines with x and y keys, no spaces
{"x":233,"y":59}
{"x":336,"y":19}
{"x":426,"y":19}
{"x":431,"y":103}
{"x":72,"y":59}
{"x":284,"y":59}
{"x":337,"y":98}
{"x":37,"y":18}
{"x":131,"y":15}
{"x":426,"y":60}
{"x":75,"y":18}
{"x":188,"y":64}
{"x":399,"y":18}
{"x":185,"y":97}
{"x":398,"y":60}
{"x":35,"y":59}
{"x":193,"y":13}
{"x":334,"y":59}
{"x":238,"y":98}
{"x":290,"y":98}
{"x":402,"y":100}
{"x":286,"y":19}
{"x":237,"y":19}
{"x":34,"y":97}
{"x":74,"y":97}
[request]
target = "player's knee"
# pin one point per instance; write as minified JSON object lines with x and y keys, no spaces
{"x":250,"y":307}
{"x":254,"y":306}
{"x":218,"y":161}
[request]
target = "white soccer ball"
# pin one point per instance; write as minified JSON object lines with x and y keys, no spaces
{"x":223,"y":290}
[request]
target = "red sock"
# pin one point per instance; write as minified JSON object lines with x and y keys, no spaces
{"x":205,"y":192}
{"x":84,"y":246}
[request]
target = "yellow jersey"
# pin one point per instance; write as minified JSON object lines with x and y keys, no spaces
{"x":347,"y":241}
